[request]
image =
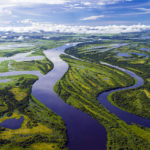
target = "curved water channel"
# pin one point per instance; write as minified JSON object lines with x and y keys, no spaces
{"x":123,"y":115}
{"x":84,"y":133}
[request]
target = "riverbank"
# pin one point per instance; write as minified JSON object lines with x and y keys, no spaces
{"x":87,"y":79}
{"x":40,"y":127}
{"x":79,"y":87}
{"x":83,"y":131}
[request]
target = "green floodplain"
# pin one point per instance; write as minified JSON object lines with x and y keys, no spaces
{"x":79,"y":87}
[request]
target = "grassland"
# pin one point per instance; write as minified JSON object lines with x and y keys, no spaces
{"x":136,"y":101}
{"x":79,"y":87}
{"x":13,"y":51}
{"x":4,"y":66}
{"x":37,"y":48}
{"x":44,"y":66}
{"x":41,"y":127}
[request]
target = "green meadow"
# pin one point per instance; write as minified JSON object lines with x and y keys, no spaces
{"x":80,"y":86}
{"x":136,"y":101}
{"x":41,"y":127}
{"x":44,"y":66}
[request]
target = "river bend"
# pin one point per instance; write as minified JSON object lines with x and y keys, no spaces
{"x":123,"y":115}
{"x":84,"y":133}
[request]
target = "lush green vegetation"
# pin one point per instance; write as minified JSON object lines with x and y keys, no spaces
{"x":44,"y":66}
{"x":79,"y":87}
{"x":4,"y":66}
{"x":88,"y":51}
{"x":13,"y":51}
{"x":41,"y":126}
{"x":136,"y":101}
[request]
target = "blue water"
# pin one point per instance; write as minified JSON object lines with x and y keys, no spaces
{"x":5,"y":80}
{"x":123,"y":115}
{"x":144,"y":49}
{"x":84,"y":132}
{"x":139,"y":54}
{"x":12,"y":123}
{"x":123,"y":55}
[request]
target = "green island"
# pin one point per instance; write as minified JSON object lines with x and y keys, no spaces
{"x":44,"y":66}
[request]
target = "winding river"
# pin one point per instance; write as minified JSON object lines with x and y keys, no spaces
{"x":84,"y":133}
{"x":123,"y":115}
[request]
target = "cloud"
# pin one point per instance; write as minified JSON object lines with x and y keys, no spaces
{"x":87,"y":3}
{"x":92,"y":17}
{"x":60,"y":28}
{"x":5,"y":11}
{"x":59,"y":2}
{"x":7,"y":6}
{"x":5,"y":15}
{"x":144,"y":10}
{"x":109,"y":2}
{"x":20,"y":2}
{"x":25,"y":21}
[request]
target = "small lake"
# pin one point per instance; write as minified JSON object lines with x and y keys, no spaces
{"x":15,"y":73}
{"x":22,"y":57}
{"x":12,"y":46}
{"x":108,"y":47}
{"x":97,"y":47}
{"x":123,"y":55}
{"x":5,"y":80}
{"x":141,"y":38}
{"x":12,"y":123}
{"x":139,"y":54}
{"x":144,"y":49}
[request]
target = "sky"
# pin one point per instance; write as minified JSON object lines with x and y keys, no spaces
{"x":82,"y":16}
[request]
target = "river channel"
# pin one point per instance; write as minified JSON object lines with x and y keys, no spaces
{"x":84,"y":133}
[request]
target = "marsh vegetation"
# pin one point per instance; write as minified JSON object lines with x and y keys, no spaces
{"x":79,"y":87}
{"x":41,"y":127}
